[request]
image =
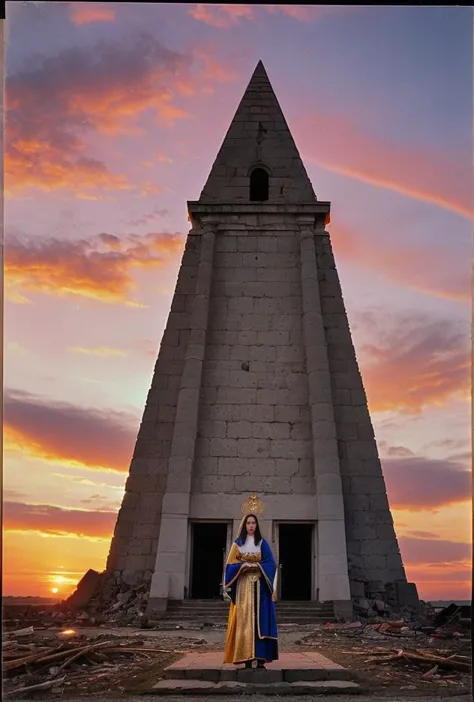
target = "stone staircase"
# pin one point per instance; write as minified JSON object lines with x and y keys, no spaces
{"x":216,"y":612}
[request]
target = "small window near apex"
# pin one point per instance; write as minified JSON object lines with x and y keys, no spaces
{"x":259,"y":185}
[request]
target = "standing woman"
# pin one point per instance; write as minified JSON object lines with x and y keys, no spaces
{"x":250,"y":574}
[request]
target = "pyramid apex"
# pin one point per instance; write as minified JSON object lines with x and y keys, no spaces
{"x":260,"y":71}
{"x":258,"y":139}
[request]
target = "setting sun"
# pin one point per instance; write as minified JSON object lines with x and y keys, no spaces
{"x":54,"y":590}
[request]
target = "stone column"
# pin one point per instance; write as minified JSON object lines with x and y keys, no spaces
{"x":169,"y":574}
{"x":333,"y":578}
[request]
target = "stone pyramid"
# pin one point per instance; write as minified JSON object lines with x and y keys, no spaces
{"x":257,"y":389}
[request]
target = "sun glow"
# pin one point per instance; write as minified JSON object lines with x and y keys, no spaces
{"x":59,"y":580}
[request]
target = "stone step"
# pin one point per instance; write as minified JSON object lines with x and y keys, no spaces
{"x":299,"y":688}
{"x":293,"y":674}
{"x":287,"y":610}
{"x":216,"y":612}
{"x":213,"y":617}
{"x":280,"y":603}
{"x":224,"y":613}
{"x":290,"y":667}
{"x":284,"y":610}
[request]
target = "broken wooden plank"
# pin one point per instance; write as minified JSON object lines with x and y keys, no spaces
{"x":437,"y":660}
{"x":119,"y":649}
{"x":21,"y":632}
{"x":32,"y":688}
{"x":41,"y":658}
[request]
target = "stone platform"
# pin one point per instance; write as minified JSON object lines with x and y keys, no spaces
{"x":293,"y":674}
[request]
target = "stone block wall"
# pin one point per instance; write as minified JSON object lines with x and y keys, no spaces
{"x":372,"y":547}
{"x":254,"y":423}
{"x":137,"y":530}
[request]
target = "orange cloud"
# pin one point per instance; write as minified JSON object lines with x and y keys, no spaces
{"x":49,"y":115}
{"x":415,"y":363}
{"x":99,"y":267}
{"x":55,"y":431}
{"x":427,"y":269}
{"x":42,"y":165}
{"x":221,"y":16}
{"x":98,"y":351}
{"x":56,"y":521}
{"x":162,"y":158}
{"x":441,"y":569}
{"x":212,"y":68}
{"x":338,"y":144}
{"x":88,"y":14}
{"x":449,"y":581}
{"x":149,"y":188}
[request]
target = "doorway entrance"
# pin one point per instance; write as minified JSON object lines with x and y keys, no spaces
{"x":209,"y":543}
{"x":295,"y":545}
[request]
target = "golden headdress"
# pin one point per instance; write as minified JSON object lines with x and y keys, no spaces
{"x":252,"y":505}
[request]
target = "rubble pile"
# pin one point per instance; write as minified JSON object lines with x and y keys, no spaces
{"x":103,"y":598}
{"x":376,"y":610}
{"x":35,"y":661}
{"x":118,"y":602}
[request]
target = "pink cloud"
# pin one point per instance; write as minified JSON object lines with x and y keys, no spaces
{"x":57,"y":521}
{"x":221,"y":16}
{"x":427,"y":269}
{"x":410,"y":362}
{"x":309,"y":13}
{"x":337,"y":143}
{"x":225,"y":16}
{"x":81,"y":14}
{"x":56,"y":431}
{"x":55,"y":103}
{"x":434,"y":551}
{"x":418,"y":483}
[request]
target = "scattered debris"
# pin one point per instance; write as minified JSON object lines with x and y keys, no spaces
{"x":416,"y":658}
{"x":54,"y":661}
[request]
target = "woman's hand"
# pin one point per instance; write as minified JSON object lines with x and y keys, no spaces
{"x":253,"y":567}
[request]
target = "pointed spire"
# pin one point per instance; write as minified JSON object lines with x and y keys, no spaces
{"x":260,"y":71}
{"x":258,"y":136}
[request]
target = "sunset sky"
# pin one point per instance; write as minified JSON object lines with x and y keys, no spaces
{"x":114,"y":115}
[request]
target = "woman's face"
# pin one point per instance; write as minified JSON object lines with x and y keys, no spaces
{"x":251,"y":525}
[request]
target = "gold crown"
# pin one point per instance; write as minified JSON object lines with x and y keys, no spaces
{"x":253,"y":505}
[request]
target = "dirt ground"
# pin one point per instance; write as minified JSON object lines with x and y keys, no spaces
{"x":359,"y":650}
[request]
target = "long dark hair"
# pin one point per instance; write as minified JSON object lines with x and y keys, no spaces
{"x":240,"y":540}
